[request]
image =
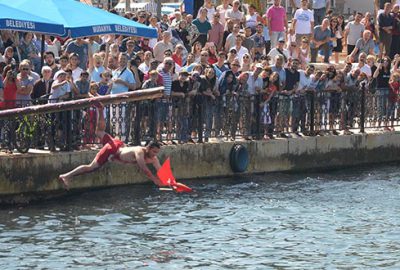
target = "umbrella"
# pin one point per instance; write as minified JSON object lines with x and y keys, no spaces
{"x":82,"y":20}
{"x":19,"y":20}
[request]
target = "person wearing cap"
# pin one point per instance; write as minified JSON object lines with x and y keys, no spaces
{"x":320,"y":41}
{"x":279,"y":50}
{"x":61,"y":87}
{"x":277,"y":22}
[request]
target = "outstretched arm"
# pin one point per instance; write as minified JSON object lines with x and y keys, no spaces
{"x":142,"y":165}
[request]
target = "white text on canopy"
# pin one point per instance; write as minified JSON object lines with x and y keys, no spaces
{"x":20,"y":24}
{"x":101,"y":29}
{"x":125,"y":29}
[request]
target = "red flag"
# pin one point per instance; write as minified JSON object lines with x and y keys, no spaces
{"x":165,"y":174}
{"x":167,"y":178}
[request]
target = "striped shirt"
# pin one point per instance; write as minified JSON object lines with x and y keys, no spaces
{"x":167,"y":81}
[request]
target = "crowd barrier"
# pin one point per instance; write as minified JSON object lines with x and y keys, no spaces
{"x":200,"y":118}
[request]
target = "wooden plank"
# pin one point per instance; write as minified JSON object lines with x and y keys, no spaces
{"x":137,"y":95}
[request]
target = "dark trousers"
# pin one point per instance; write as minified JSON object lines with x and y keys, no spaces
{"x":395,"y":47}
{"x":350,"y":48}
{"x":314,"y":53}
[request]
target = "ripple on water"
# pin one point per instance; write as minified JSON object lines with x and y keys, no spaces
{"x":342,"y":219}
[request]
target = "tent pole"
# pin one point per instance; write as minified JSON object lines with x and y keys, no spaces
{"x":42,"y":54}
{"x":159,"y":9}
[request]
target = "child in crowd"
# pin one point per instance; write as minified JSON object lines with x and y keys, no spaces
{"x":90,"y":118}
{"x":105,"y":83}
{"x":83,"y":85}
{"x":271,"y":91}
{"x":304,"y":52}
{"x":61,"y":88}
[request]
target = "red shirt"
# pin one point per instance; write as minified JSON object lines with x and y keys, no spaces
{"x":10,"y":95}
{"x":177,"y":59}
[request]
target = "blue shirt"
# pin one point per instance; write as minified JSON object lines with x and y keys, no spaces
{"x":127,"y":76}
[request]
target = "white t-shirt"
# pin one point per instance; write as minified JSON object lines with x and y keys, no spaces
{"x":365,"y":69}
{"x":76,"y":74}
{"x":305,"y":81}
{"x":274,"y":52}
{"x":55,"y":93}
{"x":303,"y":18}
{"x":143,"y":67}
{"x":253,"y":84}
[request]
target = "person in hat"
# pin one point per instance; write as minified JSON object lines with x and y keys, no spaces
{"x":279,"y":50}
{"x":61,"y":88}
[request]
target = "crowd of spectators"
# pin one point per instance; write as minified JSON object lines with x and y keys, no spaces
{"x":215,"y":58}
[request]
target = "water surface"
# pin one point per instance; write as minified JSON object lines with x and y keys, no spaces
{"x":337,"y":220}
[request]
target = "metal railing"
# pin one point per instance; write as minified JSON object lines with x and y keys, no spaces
{"x":200,"y":118}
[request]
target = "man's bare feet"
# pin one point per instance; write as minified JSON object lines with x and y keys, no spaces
{"x":64,"y":180}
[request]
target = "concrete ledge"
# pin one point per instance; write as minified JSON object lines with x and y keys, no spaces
{"x":37,"y":173}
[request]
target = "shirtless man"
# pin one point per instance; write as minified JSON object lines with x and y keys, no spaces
{"x":115,"y":150}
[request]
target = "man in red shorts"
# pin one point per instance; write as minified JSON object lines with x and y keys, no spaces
{"x":115,"y":150}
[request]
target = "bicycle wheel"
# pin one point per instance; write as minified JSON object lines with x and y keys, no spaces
{"x":23,"y":138}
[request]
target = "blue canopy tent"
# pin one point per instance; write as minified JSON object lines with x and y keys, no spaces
{"x":82,"y":20}
{"x":18,"y":20}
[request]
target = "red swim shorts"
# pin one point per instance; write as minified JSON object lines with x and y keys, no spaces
{"x":111,"y":147}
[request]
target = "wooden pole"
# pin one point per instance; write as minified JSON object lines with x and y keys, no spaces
{"x":138,"y":95}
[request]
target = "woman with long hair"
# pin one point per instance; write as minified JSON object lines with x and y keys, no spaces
{"x":196,"y":51}
{"x":337,"y":38}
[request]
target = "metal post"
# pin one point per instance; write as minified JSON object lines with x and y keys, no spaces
{"x":258,"y":117}
{"x":127,"y":6}
{"x":200,"y":121}
{"x":42,"y":53}
{"x":159,"y":9}
{"x":312,"y":114}
{"x":138,"y":116}
{"x":362,"y":116}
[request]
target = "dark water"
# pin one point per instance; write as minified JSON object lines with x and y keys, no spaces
{"x":337,"y":220}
